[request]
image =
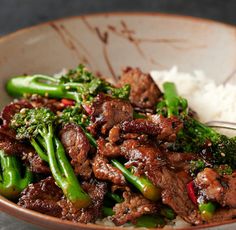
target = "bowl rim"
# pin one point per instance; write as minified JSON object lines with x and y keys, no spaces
{"x":8,"y":206}
{"x":13,"y":34}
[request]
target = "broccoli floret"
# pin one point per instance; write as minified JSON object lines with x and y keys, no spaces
{"x":79,"y":85}
{"x":195,"y":136}
{"x":37,"y":125}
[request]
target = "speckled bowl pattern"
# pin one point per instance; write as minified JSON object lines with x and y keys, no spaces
{"x":108,"y":42}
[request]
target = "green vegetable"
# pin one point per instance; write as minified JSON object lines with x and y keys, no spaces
{"x":138,"y":115}
{"x":195,"y":136}
{"x":37,"y":126}
{"x":197,"y":166}
{"x":143,"y":184}
{"x":148,"y":221}
{"x":115,"y":197}
{"x":106,"y":211}
{"x":224,"y":170}
{"x":79,"y":85}
{"x":168,"y":213}
{"x":207,"y":210}
{"x":11,"y":180}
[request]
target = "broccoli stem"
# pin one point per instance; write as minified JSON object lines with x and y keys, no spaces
{"x":115,"y":197}
{"x":143,"y":184}
{"x":107,"y":211}
{"x":172,"y":99}
{"x":11,"y":181}
{"x":38,"y":149}
{"x":84,"y":86}
{"x":62,"y":170}
{"x":168,"y":213}
{"x":207,"y":210}
{"x":41,"y":85}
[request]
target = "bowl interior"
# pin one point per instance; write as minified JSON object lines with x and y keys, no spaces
{"x":108,"y":42}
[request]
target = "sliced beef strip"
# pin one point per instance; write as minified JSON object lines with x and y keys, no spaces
{"x":218,"y":188}
{"x":134,"y":206}
{"x":229,"y":197}
{"x":165,"y":129}
{"x":174,"y":193}
{"x":180,"y":161}
{"x":77,"y":147}
{"x":142,"y":156}
{"x":23,"y":150}
{"x":35,"y":163}
{"x":144,"y":91}
{"x":14,"y":107}
{"x":9,"y":143}
{"x":169,"y":127}
{"x":105,"y":171}
{"x":96,"y":191}
{"x":108,"y":112}
{"x":140,"y":126}
{"x":53,"y":104}
{"x":108,"y":149}
{"x":42,"y":197}
{"x":114,"y":134}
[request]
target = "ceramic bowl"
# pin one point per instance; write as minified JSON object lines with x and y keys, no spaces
{"x":108,"y":42}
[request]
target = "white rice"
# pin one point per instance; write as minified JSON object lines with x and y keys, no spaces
{"x":209,"y":100}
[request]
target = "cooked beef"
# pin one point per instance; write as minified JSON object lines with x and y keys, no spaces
{"x":114,"y":134}
{"x":9,"y":143}
{"x":26,"y":152}
{"x":164,"y":128}
{"x":140,"y":126}
{"x":96,"y":191}
{"x":53,"y":104}
{"x":141,"y":156}
{"x":174,"y":193}
{"x":107,"y":149}
{"x":42,"y":197}
{"x":218,"y":188}
{"x":229,"y":197}
{"x":35,"y":163}
{"x":180,"y":161}
{"x":9,"y":110}
{"x":77,"y":147}
{"x":169,"y":127}
{"x":108,"y":112}
{"x":208,"y":182}
{"x":144,"y":91}
{"x":105,"y":171}
{"x":134,"y":206}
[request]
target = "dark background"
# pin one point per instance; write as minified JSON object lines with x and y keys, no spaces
{"x":16,"y":14}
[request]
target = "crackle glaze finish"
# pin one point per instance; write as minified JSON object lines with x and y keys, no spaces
{"x":108,"y":42}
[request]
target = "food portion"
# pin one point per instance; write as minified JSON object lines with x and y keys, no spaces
{"x":81,"y":149}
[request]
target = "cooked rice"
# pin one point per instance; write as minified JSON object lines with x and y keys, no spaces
{"x":209,"y":100}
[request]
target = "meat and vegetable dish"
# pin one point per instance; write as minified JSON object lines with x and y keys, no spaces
{"x":81,"y":149}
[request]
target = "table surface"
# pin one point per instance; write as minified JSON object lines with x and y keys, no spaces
{"x":24,"y":13}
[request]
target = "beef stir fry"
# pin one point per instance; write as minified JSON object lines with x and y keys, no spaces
{"x":81,"y":149}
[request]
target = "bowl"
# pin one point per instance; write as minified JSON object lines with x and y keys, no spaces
{"x":106,"y":43}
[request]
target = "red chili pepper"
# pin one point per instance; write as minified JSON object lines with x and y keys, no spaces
{"x":191,"y":193}
{"x":88,"y":109}
{"x":67,"y":102}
